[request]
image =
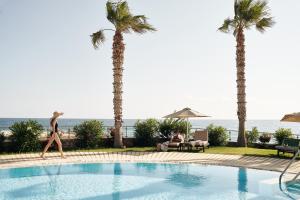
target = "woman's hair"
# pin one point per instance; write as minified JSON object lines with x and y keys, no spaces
{"x":52,"y":120}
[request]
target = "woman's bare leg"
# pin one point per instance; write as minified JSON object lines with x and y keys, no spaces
{"x":59,"y":144}
{"x":50,"y":141}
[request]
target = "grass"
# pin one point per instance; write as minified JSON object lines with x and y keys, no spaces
{"x":241,"y":151}
{"x":249,"y":151}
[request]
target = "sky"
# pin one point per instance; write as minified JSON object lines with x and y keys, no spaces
{"x":47,"y":61}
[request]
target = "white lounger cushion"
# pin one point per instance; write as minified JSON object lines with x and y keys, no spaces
{"x":199,"y":143}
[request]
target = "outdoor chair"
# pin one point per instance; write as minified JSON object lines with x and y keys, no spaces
{"x":289,"y":145}
{"x":200,"y":140}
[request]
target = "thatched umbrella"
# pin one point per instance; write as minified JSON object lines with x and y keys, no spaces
{"x":186,"y":113}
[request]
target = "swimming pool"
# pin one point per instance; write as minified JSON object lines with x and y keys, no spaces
{"x":137,"y":181}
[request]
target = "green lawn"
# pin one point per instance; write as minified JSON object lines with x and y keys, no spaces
{"x":241,"y":151}
{"x":250,"y":151}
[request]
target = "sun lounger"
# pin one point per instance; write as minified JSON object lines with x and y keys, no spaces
{"x":289,"y":145}
{"x":175,"y":142}
{"x":200,"y":140}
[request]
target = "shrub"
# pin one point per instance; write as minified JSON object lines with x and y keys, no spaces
{"x":89,"y":133}
{"x":217,"y":135}
{"x":25,"y":136}
{"x":265,"y":138}
{"x":252,"y":136}
{"x":2,"y":138}
{"x":168,"y":126}
{"x":146,"y":131}
{"x":282,"y":133}
{"x":181,"y":126}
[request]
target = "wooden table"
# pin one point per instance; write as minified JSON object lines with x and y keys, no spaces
{"x":185,"y":145}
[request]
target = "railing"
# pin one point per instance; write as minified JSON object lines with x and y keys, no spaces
{"x":287,"y":167}
{"x":284,"y":190}
{"x":128,"y":131}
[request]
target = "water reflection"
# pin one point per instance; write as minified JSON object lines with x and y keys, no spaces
{"x":24,"y":172}
{"x":49,"y":188}
{"x":148,"y":167}
{"x":183,"y":178}
{"x":116,"y":181}
{"x":52,"y":176}
{"x":91,"y":168}
{"x":242,"y":183}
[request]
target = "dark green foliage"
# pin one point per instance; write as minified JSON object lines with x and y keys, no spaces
{"x":2,"y":138}
{"x":248,"y":13}
{"x":169,"y":126}
{"x":181,"y":126}
{"x":282,"y":133}
{"x":217,"y":135}
{"x":146,"y":131}
{"x":252,"y":136}
{"x":89,"y":133}
{"x":118,"y":13}
{"x":265,"y":138}
{"x":25,"y":136}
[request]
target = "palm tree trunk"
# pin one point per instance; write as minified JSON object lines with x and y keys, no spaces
{"x":118,"y":58}
{"x":241,"y":86}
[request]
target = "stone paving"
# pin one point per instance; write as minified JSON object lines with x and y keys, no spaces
{"x":263,"y":163}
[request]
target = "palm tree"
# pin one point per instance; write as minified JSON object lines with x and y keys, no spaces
{"x":119,"y":15}
{"x":247,"y":13}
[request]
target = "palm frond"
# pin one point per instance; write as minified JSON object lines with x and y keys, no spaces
{"x":250,"y":13}
{"x":97,"y":38}
{"x":111,"y":13}
{"x":142,"y":28}
{"x":140,"y":17}
{"x":124,"y":23}
{"x":122,"y":9}
{"x":227,"y":24}
{"x":119,"y":14}
{"x":140,"y":25}
{"x":236,"y":6}
{"x":244,"y":13}
{"x":244,"y":5}
{"x":257,"y":11}
{"x":264,"y":23}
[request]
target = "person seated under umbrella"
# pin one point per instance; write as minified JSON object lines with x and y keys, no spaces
{"x":175,"y":141}
{"x":177,"y":137}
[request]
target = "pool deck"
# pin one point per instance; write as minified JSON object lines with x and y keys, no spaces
{"x":263,"y":163}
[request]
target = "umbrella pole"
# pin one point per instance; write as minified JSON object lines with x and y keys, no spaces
{"x":187,"y":128}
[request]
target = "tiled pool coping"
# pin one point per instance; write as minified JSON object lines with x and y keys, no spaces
{"x":262,"y":163}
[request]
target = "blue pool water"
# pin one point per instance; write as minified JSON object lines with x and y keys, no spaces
{"x":136,"y":181}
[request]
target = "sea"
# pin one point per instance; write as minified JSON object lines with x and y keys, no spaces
{"x":269,"y":126}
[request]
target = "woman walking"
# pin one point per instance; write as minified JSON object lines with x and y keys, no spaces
{"x":54,"y":135}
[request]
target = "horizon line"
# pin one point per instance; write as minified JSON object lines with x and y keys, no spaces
{"x":201,"y":118}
